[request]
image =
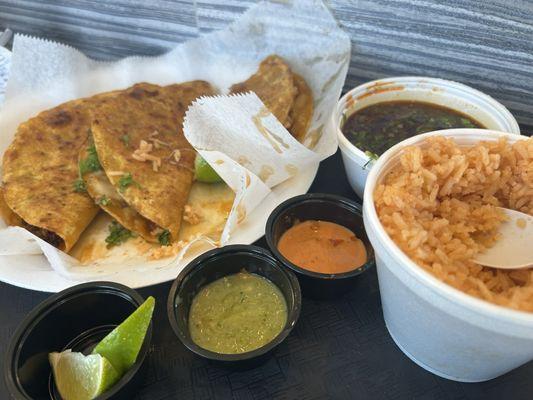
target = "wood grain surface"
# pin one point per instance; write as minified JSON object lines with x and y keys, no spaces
{"x":486,"y":44}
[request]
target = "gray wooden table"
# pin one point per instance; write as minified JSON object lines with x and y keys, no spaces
{"x":340,"y":349}
{"x":487,"y":44}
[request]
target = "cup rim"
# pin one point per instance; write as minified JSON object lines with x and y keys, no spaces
{"x":258,"y":252}
{"x":353,"y":206}
{"x":345,"y":144}
{"x":42,"y":309}
{"x":444,"y":290}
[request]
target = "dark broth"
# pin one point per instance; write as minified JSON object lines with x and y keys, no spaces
{"x":380,"y":126}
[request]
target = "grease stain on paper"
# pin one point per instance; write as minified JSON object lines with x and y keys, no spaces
{"x":274,"y":140}
{"x":291,"y":169}
{"x":243,"y":161}
{"x":266,"y":172}
{"x":241,"y":212}
{"x":314,"y":136}
{"x":332,"y":79}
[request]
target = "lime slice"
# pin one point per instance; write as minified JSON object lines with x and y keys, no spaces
{"x":122,"y":345}
{"x":203,"y":172}
{"x":81,"y":377}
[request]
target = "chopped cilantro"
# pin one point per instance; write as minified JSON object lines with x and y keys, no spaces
{"x":103,"y":200}
{"x":91,"y":163}
{"x":371,"y":156}
{"x":125,"y":139}
{"x":125,"y":181}
{"x":164,"y":238}
{"x":343,"y":119}
{"x":467,"y":123}
{"x":117,"y":234}
{"x":79,"y":186}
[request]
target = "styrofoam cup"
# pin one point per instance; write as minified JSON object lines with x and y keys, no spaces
{"x":442,"y":329}
{"x":456,"y":96}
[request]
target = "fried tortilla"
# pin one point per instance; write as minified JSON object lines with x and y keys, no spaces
{"x":285,"y":94}
{"x":107,"y":197}
{"x":40,"y":169}
{"x":7,"y":214}
{"x":301,"y":113}
{"x":274,"y":85}
{"x":138,"y":136}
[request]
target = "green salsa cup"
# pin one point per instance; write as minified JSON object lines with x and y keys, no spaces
{"x":216,"y":264}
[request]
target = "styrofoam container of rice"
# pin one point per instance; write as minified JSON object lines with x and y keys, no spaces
{"x":442,"y":329}
{"x":456,"y":96}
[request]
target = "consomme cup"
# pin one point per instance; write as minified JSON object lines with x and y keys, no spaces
{"x":323,"y":207}
{"x":464,"y":99}
{"x":442,"y":329}
{"x":76,"y":318}
{"x":214,"y":265}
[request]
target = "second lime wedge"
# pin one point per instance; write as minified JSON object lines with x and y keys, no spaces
{"x":122,"y":345}
{"x":203,"y":172}
{"x":81,"y":377}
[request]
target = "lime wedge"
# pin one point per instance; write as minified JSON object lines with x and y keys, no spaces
{"x":203,"y":172}
{"x":81,"y":377}
{"x":122,"y":345}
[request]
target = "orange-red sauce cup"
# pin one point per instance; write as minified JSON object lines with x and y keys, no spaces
{"x":322,"y":207}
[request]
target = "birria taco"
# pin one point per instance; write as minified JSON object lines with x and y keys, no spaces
{"x":40,"y":171}
{"x":140,"y":145}
{"x":125,"y":152}
{"x":283,"y":92}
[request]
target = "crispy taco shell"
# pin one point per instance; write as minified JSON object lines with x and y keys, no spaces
{"x":274,"y":85}
{"x":301,"y":113}
{"x":40,"y":168}
{"x":139,"y":139}
{"x":285,"y":94}
{"x":107,"y":197}
{"x":7,"y":214}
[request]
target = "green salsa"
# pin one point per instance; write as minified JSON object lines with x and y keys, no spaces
{"x":237,"y":313}
{"x":378,"y":127}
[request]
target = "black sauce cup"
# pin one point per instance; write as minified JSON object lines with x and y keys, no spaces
{"x":214,"y":265}
{"x":323,"y":207}
{"x":76,"y":318}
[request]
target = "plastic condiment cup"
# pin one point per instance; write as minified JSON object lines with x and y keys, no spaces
{"x":76,"y":318}
{"x":471,"y":102}
{"x":323,"y":207}
{"x":445,"y":331}
{"x":214,"y":265}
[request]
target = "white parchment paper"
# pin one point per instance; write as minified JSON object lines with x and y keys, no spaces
{"x":45,"y":74}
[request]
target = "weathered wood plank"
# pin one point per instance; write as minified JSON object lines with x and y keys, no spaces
{"x":216,"y":14}
{"x":104,"y":29}
{"x":486,"y":44}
